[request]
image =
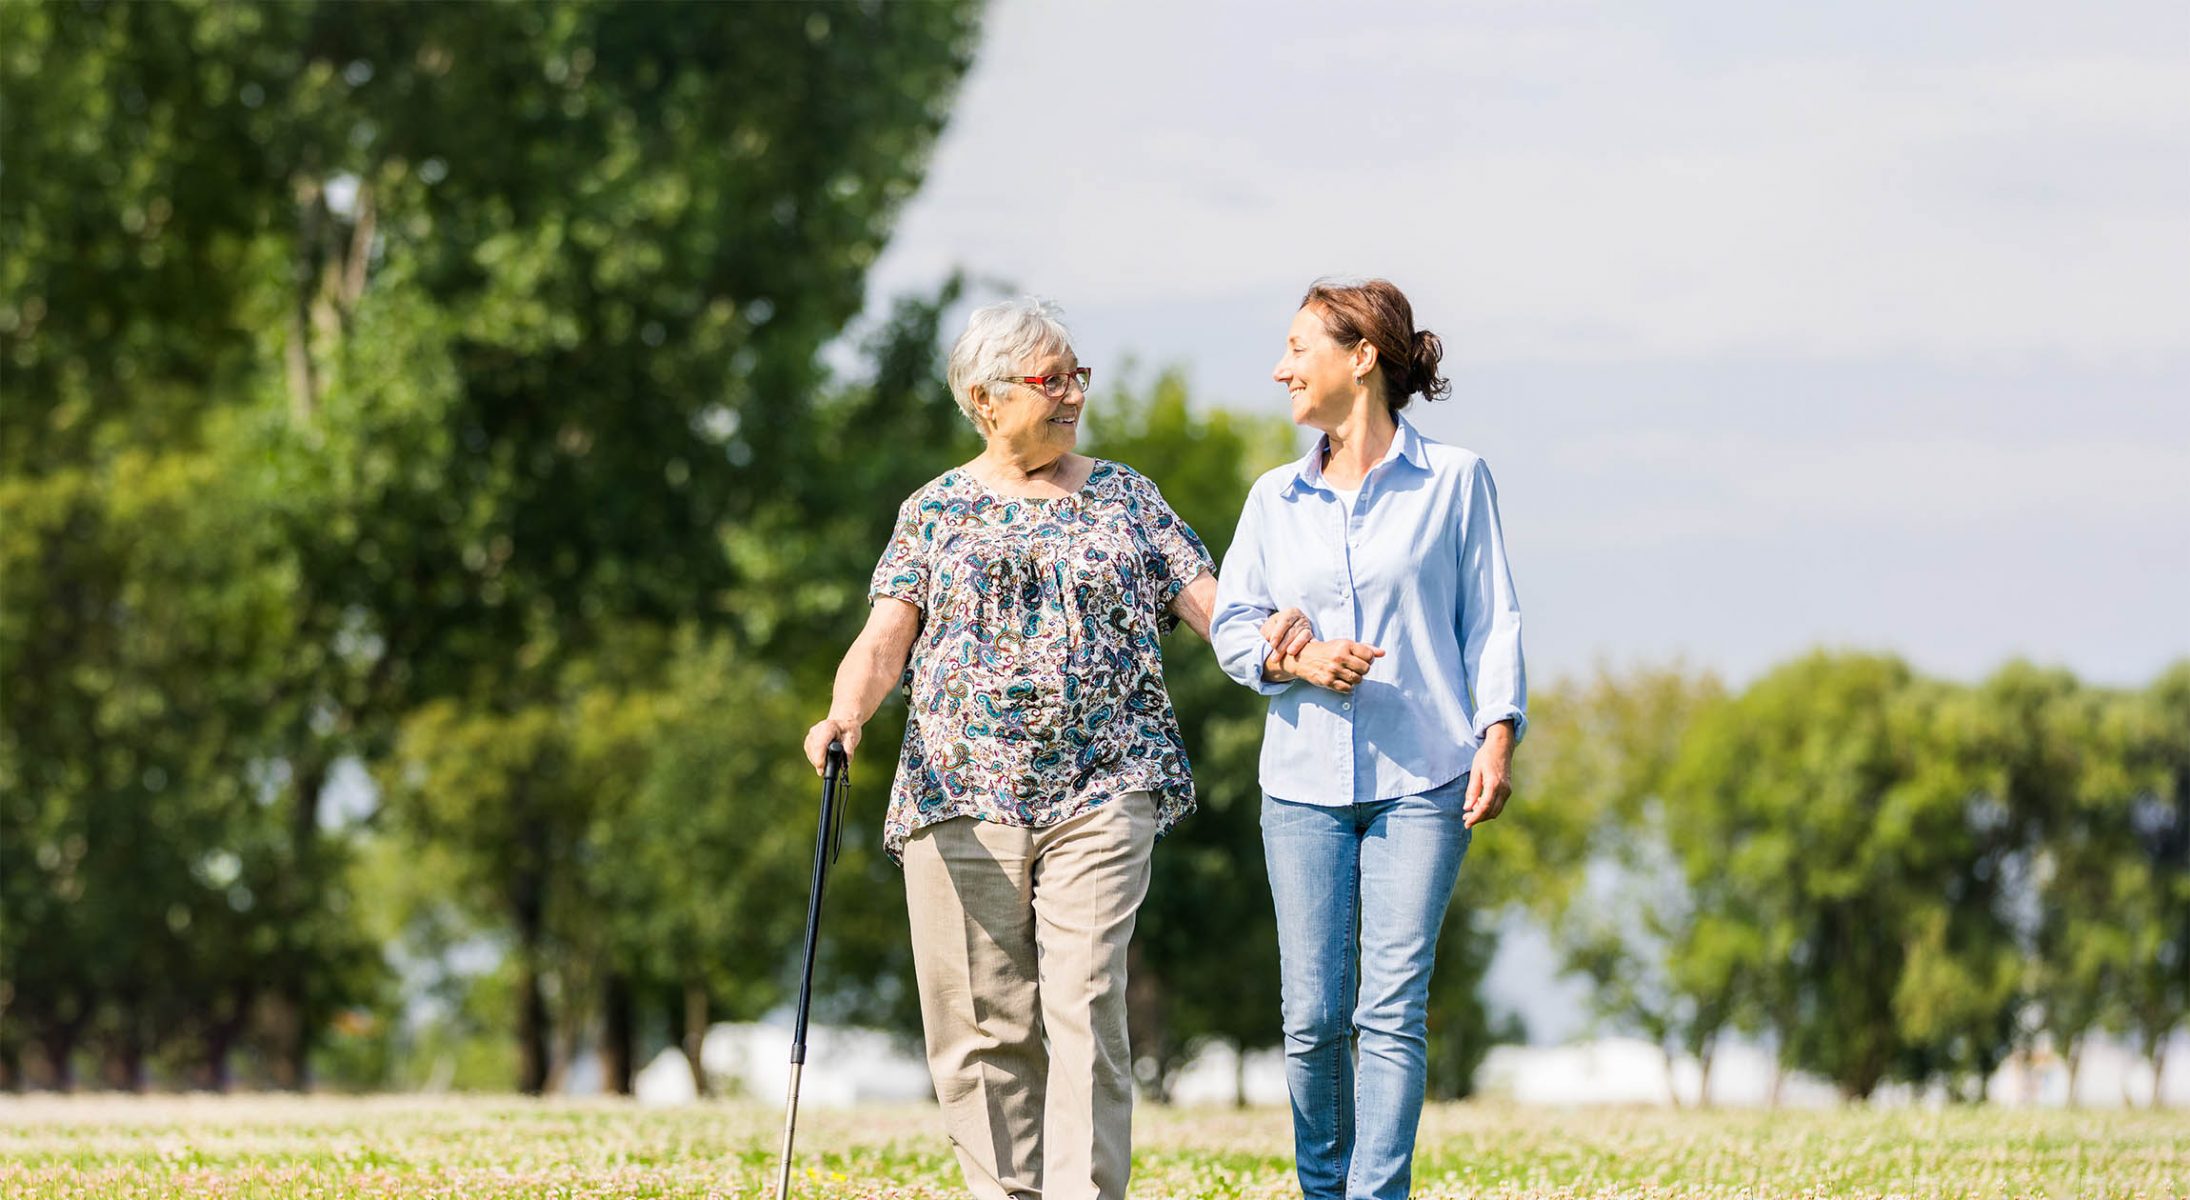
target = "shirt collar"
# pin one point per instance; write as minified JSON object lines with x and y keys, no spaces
{"x":1406,"y":444}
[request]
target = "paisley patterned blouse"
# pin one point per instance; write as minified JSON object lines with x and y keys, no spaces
{"x":1037,"y":677}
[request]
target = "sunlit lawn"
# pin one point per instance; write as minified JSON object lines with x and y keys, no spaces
{"x":99,"y":1147}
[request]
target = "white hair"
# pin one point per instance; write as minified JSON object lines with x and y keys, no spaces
{"x":999,"y":340}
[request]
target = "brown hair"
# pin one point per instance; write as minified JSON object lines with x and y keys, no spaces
{"x":1376,"y":312}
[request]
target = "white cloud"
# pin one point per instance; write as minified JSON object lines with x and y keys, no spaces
{"x":1692,"y":487}
{"x":1577,"y":187}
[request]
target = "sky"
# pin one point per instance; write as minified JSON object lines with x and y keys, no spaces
{"x":1859,"y":326}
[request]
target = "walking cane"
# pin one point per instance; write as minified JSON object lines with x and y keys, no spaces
{"x":828,"y":839}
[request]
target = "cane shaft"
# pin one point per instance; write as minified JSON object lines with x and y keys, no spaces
{"x":790,"y":1130}
{"x":826,"y":833}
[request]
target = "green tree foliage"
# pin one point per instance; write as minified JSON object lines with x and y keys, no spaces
{"x":1591,"y":847}
{"x":2152,"y":886}
{"x":367,"y":358}
{"x":1890,"y":877}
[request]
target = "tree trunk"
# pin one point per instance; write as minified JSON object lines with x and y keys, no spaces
{"x":1239,"y":1075}
{"x":58,"y":1041}
{"x":304,"y":282}
{"x":289,"y":1007}
{"x":1144,"y":1004}
{"x":61,"y":1062}
{"x":2158,"y":1057}
{"x":532,"y":1011}
{"x":532,"y":1031}
{"x":694,"y":1032}
{"x":616,"y":1034}
{"x":122,"y":1066}
{"x":1703,"y":1086}
{"x":218,"y":1042}
{"x":2075,"y":1057}
{"x":1672,"y":1089}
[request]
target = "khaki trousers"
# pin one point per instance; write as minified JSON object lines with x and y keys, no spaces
{"x":1019,"y":938}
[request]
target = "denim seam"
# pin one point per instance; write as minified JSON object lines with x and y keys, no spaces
{"x":1352,"y":990}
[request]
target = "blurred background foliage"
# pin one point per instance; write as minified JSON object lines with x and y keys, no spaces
{"x":431,"y":519}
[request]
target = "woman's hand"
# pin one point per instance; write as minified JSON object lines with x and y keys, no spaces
{"x":1337,"y":665}
{"x":1288,"y":633}
{"x":826,"y":730}
{"x":1488,"y":784}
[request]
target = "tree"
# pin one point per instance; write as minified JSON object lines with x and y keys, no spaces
{"x":2154,"y":884}
{"x":1590,"y":846}
{"x":495,"y":387}
{"x":1802,"y":776}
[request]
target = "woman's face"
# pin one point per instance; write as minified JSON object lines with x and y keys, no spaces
{"x":1022,"y":416}
{"x":1320,"y":375}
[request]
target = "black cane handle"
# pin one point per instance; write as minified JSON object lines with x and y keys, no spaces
{"x":836,"y":775}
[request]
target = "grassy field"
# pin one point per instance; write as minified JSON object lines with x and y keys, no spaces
{"x":102,"y":1147}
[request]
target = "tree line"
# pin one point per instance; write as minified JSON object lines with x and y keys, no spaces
{"x":431,"y":517}
{"x":1883,"y":877}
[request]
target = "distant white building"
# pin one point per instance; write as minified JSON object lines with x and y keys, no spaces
{"x":844,"y":1067}
{"x":1631,"y":1071}
{"x":847,"y":1067}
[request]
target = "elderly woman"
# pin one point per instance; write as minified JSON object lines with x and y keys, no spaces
{"x":1387,"y":742}
{"x":1029,"y":588}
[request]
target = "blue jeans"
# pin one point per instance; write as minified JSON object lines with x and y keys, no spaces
{"x":1386,"y":868}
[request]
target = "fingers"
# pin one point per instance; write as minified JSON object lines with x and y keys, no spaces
{"x":1288,"y":632}
{"x":1486,"y":798}
{"x":1337,"y":665}
{"x":830,"y":730}
{"x":1357,"y":658}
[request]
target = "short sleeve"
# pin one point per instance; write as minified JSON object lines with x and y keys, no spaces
{"x":1174,"y":554}
{"x":903,"y":572}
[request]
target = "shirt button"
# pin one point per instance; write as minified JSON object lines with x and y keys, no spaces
{"x":1346,"y":704}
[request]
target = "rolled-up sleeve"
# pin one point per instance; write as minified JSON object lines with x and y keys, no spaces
{"x":902,"y":572}
{"x":1490,"y":613}
{"x":1173,"y":553}
{"x":1244,"y":603}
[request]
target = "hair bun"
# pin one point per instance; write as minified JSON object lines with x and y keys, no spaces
{"x":1429,"y":350}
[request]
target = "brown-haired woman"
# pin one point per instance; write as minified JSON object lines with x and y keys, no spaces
{"x":1392,"y":717}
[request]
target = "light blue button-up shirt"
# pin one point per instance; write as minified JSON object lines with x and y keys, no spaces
{"x":1417,"y":568}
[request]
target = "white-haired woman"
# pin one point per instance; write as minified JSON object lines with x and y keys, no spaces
{"x":1029,"y":590}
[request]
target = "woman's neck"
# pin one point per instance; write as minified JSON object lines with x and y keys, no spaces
{"x":1359,"y":441}
{"x":1030,"y":470}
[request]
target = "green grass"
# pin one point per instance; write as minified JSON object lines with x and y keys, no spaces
{"x":414,"y":1147}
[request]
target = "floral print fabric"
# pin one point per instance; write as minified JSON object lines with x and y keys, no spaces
{"x":1037,"y":677}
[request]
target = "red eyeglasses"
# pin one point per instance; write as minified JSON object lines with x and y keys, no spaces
{"x":1053,"y":386}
